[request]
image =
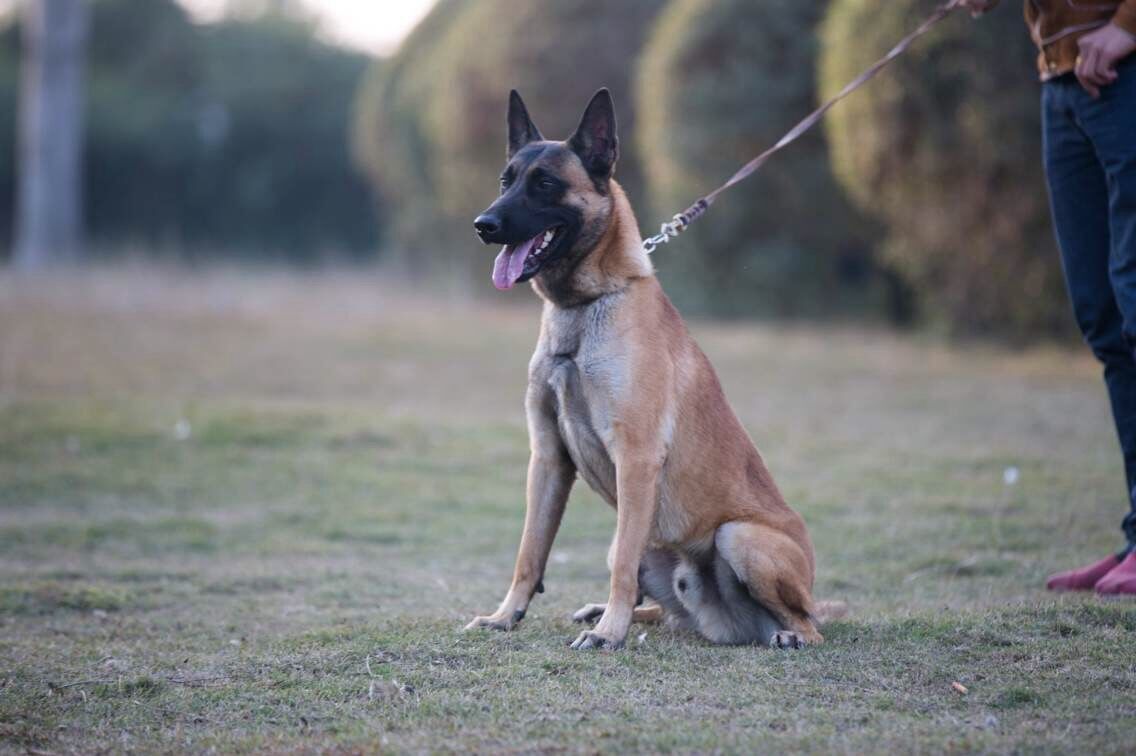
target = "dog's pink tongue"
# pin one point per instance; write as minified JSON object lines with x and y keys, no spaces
{"x":510,"y":264}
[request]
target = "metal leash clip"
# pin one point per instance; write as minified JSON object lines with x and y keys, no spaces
{"x":667,"y":231}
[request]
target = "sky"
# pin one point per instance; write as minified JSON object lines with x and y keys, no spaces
{"x":374,"y":26}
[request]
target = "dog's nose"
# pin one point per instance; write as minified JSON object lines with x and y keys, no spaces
{"x":487,"y":225}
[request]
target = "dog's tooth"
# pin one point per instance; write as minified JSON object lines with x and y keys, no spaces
{"x":548,"y":235}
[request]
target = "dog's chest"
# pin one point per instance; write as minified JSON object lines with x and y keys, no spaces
{"x":583,"y":374}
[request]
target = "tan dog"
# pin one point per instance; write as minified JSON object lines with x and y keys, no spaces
{"x":621,"y":395}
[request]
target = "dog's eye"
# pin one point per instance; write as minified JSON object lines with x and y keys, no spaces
{"x":546,"y":184}
{"x":504,"y":183}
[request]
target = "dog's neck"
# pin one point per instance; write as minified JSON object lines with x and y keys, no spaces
{"x":615,"y":260}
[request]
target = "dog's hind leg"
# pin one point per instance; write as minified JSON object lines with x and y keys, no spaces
{"x":777,"y":573}
{"x":646,"y":613}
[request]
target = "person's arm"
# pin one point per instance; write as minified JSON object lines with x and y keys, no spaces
{"x":1125,"y":17}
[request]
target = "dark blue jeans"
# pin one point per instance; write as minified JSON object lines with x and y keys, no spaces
{"x":1090,"y":165}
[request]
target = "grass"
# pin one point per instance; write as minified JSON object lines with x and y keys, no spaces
{"x":251,"y":513}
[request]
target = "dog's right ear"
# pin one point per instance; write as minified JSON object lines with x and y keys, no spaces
{"x":521,"y":128}
{"x":595,"y":140}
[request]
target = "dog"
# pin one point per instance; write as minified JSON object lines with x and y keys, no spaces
{"x":620,"y":395}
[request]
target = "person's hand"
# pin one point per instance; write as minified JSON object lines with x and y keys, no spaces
{"x":1100,"y":52}
{"x":977,"y":7}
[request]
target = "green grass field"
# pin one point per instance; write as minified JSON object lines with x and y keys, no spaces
{"x":252,"y":513}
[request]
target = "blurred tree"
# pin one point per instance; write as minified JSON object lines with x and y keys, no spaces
{"x":432,"y":128}
{"x":274,"y":141}
{"x":390,"y":143}
{"x":145,"y":77}
{"x":718,"y":83}
{"x":49,"y":210}
{"x":218,"y":138}
{"x":9,"y":96}
{"x":944,"y":147}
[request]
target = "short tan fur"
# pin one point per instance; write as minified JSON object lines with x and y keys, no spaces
{"x":620,"y":395}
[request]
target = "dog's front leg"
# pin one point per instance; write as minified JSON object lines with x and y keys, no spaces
{"x":550,"y":477}
{"x":637,"y":499}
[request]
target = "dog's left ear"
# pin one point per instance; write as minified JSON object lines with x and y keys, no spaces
{"x":595,"y":139}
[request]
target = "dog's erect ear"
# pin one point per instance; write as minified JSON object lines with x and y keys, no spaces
{"x":521,"y":128}
{"x":595,"y":139}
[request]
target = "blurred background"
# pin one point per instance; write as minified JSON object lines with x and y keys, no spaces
{"x":328,"y":132}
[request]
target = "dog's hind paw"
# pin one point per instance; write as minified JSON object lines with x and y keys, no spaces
{"x":589,"y":613}
{"x":787,"y":639}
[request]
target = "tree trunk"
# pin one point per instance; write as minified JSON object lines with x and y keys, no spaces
{"x":49,"y":205}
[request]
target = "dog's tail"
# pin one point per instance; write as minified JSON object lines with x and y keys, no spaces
{"x":827,"y":611}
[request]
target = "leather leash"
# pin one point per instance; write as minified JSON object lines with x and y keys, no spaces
{"x":680,"y":221}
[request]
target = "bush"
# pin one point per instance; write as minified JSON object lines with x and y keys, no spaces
{"x":283,"y":160}
{"x":432,"y":129}
{"x":720,"y":82}
{"x":390,"y":144}
{"x":944,"y":147}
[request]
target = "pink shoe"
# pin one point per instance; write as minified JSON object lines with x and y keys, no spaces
{"x":1084,"y":578}
{"x":1121,"y":580}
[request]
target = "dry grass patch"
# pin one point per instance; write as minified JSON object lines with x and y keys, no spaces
{"x":251,"y":512}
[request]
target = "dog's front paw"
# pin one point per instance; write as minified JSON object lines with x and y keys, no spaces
{"x":502,"y":622}
{"x":591,"y":639}
{"x":589,"y":613}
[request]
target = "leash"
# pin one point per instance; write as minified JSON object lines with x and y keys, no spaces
{"x":681,"y":221}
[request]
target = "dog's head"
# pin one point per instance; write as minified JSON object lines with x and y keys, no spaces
{"x":555,"y":196}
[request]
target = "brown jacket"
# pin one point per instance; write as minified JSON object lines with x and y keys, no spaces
{"x":1056,"y":25}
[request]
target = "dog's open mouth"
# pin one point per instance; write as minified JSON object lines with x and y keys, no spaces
{"x":519,"y":262}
